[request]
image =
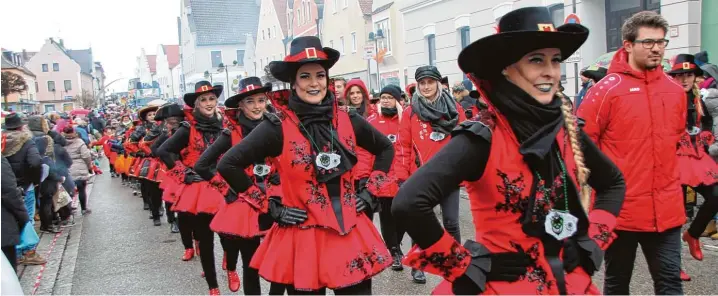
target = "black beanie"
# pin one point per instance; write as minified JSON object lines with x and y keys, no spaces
{"x":393,"y":90}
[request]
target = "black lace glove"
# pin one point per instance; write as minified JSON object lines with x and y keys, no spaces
{"x":191,"y":176}
{"x":486,"y":266}
{"x":274,"y":179}
{"x":285,"y":216}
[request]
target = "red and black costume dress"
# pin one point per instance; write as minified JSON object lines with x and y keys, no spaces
{"x":336,"y":246}
{"x":194,"y":204}
{"x":169,"y":186}
{"x":519,"y":167}
{"x":149,"y":170}
{"x":386,"y":121}
{"x":237,"y":222}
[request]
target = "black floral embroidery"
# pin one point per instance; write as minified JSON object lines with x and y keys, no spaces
{"x":316,"y":195}
{"x":301,"y":155}
{"x":486,"y":117}
{"x":365,"y":262}
{"x":256,"y":197}
{"x":685,"y":141}
{"x":546,"y":198}
{"x":350,"y":143}
{"x":603,"y":237}
{"x":442,"y":262}
{"x":377,"y":181}
{"x":534,"y":273}
{"x":713,"y":175}
{"x":511,"y":190}
{"x":349,"y":194}
{"x":219,"y":184}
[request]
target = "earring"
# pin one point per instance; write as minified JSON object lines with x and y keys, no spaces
{"x":503,"y":72}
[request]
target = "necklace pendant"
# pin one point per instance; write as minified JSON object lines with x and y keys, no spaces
{"x":328,"y":161}
{"x":560,"y":225}
{"x":437,"y":136}
{"x":261,"y":170}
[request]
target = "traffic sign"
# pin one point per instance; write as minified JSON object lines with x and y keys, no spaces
{"x":574,"y":58}
{"x":369,"y":52}
{"x":572,"y":19}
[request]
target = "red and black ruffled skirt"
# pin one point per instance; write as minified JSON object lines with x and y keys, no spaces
{"x":238,"y":219}
{"x":198,"y":197}
{"x":313,"y":258}
{"x":696,"y":171}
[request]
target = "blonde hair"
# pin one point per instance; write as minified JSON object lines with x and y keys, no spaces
{"x":399,"y":109}
{"x":571,"y":125}
{"x":697,"y":99}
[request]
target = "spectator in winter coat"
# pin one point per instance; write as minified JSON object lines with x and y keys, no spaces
{"x":357,"y":97}
{"x":48,"y":187}
{"x":81,"y":164}
{"x":641,"y":137}
{"x":14,"y":216}
{"x":26,"y":162}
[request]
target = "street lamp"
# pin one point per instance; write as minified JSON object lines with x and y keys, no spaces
{"x":379,"y":35}
{"x":208,"y":75}
{"x":320,"y":14}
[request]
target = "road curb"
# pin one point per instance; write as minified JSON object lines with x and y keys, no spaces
{"x":63,"y":281}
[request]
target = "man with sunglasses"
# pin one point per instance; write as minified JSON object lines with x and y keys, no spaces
{"x":636,"y":114}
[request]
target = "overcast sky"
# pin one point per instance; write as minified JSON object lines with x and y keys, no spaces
{"x":116,"y":29}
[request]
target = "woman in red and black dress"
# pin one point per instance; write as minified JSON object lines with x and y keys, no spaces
{"x":526,"y":163}
{"x":237,"y":223}
{"x":387,"y":121}
{"x":149,"y":168}
{"x":323,"y":238}
{"x":170,"y":115}
{"x":143,"y":154}
{"x":195,"y":206}
{"x":697,"y":169}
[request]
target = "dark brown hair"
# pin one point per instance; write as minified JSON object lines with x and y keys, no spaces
{"x":643,"y":19}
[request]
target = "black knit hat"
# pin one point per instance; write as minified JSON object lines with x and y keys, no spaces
{"x":427,"y":71}
{"x":13,"y":121}
{"x":392,"y":90}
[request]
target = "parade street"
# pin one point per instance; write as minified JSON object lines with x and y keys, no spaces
{"x":117,"y":250}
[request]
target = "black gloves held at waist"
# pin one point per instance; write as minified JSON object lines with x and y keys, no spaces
{"x":285,"y":216}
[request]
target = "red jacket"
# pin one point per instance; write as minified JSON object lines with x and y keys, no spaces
{"x":637,"y":119}
{"x":388,"y":126}
{"x":370,"y":109}
{"x":415,"y":144}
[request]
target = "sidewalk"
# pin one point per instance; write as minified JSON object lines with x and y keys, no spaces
{"x":60,"y":250}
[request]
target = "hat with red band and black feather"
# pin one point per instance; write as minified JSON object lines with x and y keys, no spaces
{"x":303,"y":50}
{"x":201,"y":88}
{"x":685,"y":63}
{"x":247,"y":87}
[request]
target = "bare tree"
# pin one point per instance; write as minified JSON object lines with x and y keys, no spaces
{"x":86,"y":100}
{"x":11,"y":83}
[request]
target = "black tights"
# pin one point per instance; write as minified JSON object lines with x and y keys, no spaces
{"x":152,"y":189}
{"x":389,"y":228}
{"x":233,"y":247}
{"x":198,"y":225}
{"x":171,"y":218}
{"x":186,"y":226}
{"x":363,"y":288}
{"x":706,"y":212}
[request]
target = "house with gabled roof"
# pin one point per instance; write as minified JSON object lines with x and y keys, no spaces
{"x":25,"y":101}
{"x":271,"y":33}
{"x":61,"y":75}
{"x":213,"y":33}
{"x":168,"y":70}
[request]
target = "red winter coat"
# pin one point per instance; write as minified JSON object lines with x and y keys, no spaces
{"x":388,"y":126}
{"x":369,"y":108}
{"x":413,"y":139}
{"x":637,"y":119}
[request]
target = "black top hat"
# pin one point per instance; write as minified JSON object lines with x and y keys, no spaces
{"x":13,"y":121}
{"x":595,"y":74}
{"x":303,"y":50}
{"x":169,"y":110}
{"x":247,"y":87}
{"x":685,"y":63}
{"x":200,"y":88}
{"x":520,"y":32}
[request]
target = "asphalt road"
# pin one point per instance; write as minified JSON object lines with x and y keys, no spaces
{"x":121,"y":252}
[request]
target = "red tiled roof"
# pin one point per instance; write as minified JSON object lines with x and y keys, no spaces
{"x":365,"y":6}
{"x":152,"y":61}
{"x":280,"y":8}
{"x":172,"y":53}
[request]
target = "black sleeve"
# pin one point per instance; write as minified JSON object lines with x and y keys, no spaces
{"x":171,"y":148}
{"x":462,"y":159}
{"x":158,"y":142}
{"x":12,"y":199}
{"x":605,"y":178}
{"x":138,"y":134}
{"x":264,"y":141}
{"x":32,"y":158}
{"x":153,"y":133}
{"x":373,"y":141}
{"x":210,"y":157}
{"x":707,"y":119}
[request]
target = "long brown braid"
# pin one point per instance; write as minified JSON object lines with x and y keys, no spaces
{"x":697,"y":99}
{"x":571,"y":125}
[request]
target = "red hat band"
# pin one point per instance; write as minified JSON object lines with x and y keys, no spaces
{"x":204,"y":88}
{"x":684,"y":66}
{"x":250,"y":87}
{"x":308,"y":53}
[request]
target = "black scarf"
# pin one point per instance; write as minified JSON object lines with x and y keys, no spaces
{"x":210,"y":127}
{"x":692,"y":113}
{"x":361,"y":109}
{"x":315,"y":121}
{"x":247,"y":124}
{"x":388,"y":112}
{"x":441,"y":113}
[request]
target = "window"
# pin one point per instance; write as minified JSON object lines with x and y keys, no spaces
{"x":44,"y":69}
{"x":55,"y":67}
{"x":299,"y":16}
{"x":431,"y":42}
{"x":49,"y":108}
{"x":354,"y":42}
{"x":334,"y":7}
{"x":341,"y":45}
{"x":465,"y":35}
{"x":616,"y":14}
{"x":68,"y":85}
{"x":307,"y":12}
{"x":51,"y":86}
{"x":240,"y":57}
{"x":216,"y":58}
{"x":346,"y":3}
{"x":384,"y":43}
